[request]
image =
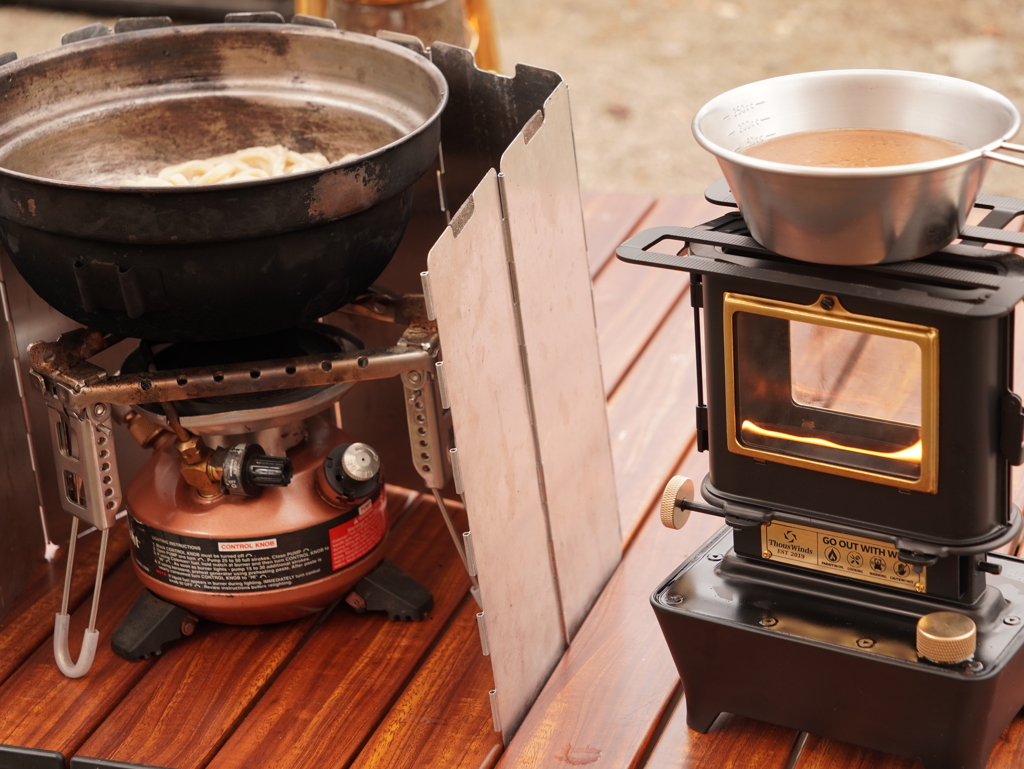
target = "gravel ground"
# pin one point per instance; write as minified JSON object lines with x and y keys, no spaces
{"x":639,"y":69}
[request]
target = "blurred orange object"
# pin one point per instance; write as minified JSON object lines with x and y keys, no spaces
{"x":465,"y":23}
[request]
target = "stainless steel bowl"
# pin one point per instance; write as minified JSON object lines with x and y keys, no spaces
{"x":857,"y":215}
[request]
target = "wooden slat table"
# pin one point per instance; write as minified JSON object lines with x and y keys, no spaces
{"x":347,"y":690}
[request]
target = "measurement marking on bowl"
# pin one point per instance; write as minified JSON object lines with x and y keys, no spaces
{"x":750,"y":141}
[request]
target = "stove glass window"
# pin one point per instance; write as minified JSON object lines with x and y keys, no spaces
{"x":855,"y":373}
{"x":832,"y":391}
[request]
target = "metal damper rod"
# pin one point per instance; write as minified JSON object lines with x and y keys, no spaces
{"x":475,"y":589}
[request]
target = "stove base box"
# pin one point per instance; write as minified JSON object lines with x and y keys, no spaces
{"x":841,"y":663}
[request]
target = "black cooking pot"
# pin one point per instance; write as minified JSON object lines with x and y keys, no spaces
{"x":218,"y":261}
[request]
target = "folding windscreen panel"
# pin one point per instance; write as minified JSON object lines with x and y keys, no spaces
{"x":509,"y":285}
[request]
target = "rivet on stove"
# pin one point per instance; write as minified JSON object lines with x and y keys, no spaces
{"x":767,"y":622}
{"x":715,"y":557}
{"x":865,"y":643}
{"x":827,"y":303}
{"x":766,"y":554}
{"x":673,"y":599}
{"x":1011,"y":620}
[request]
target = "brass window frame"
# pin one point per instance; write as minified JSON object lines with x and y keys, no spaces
{"x":925,"y":337}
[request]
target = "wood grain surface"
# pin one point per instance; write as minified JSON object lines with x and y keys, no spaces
{"x":198,"y":692}
{"x":606,"y":697}
{"x":339,"y":686}
{"x":651,"y":417}
{"x":820,"y":753}
{"x":732,"y":743}
{"x":610,"y":218}
{"x":40,"y":708}
{"x":631,"y":301}
{"x":29,"y":623}
{"x":443,"y":718}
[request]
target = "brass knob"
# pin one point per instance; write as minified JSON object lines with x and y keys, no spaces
{"x":142,"y":430}
{"x":946,"y":637}
{"x":679,"y":489}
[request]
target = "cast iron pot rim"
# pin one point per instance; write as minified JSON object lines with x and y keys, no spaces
{"x":71,"y":49}
{"x":906,"y":169}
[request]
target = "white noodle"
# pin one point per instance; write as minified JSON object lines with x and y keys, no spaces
{"x":250,"y":163}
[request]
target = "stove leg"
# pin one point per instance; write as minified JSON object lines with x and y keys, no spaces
{"x":389,"y":589}
{"x":973,"y":757}
{"x":699,"y":716}
{"x":149,"y":626}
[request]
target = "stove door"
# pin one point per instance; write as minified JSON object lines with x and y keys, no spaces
{"x":819,"y":387}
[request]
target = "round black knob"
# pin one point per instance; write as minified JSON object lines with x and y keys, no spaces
{"x":352,"y":470}
{"x":269,"y":471}
{"x":246,"y":469}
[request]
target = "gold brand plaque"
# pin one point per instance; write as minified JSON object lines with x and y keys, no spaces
{"x":866,"y":559}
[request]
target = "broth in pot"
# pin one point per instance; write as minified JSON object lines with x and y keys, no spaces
{"x":854,"y":148}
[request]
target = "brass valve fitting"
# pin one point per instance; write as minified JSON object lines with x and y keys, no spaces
{"x":196,"y":467}
{"x":141,"y":429}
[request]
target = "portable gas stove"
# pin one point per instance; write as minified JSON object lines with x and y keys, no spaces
{"x":861,"y":430}
{"x":231,"y":407}
{"x":214,"y":532}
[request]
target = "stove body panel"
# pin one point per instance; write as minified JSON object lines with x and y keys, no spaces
{"x":797,"y":654}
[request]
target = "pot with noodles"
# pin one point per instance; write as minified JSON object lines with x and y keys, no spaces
{"x":212,"y":181}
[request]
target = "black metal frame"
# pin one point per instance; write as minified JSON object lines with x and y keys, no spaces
{"x":966,"y":292}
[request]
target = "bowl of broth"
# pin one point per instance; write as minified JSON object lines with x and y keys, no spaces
{"x":856,"y":166}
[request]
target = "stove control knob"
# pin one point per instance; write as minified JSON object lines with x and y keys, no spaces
{"x":270,"y":471}
{"x":246,"y":469}
{"x":677,"y":493}
{"x":946,"y":637}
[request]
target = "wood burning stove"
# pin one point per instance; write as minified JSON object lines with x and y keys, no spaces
{"x":861,"y":427}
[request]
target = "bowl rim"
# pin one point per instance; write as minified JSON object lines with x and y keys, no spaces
{"x":871,"y":172}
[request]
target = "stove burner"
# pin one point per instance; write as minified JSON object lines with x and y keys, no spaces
{"x":312,"y":339}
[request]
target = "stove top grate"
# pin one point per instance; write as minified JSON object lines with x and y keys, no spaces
{"x":965,"y":278}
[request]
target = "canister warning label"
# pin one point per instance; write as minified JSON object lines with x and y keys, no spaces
{"x":253,"y":565}
{"x":856,"y":557}
{"x":354,"y":538}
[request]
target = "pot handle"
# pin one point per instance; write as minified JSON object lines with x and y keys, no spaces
{"x":1006,"y":158}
